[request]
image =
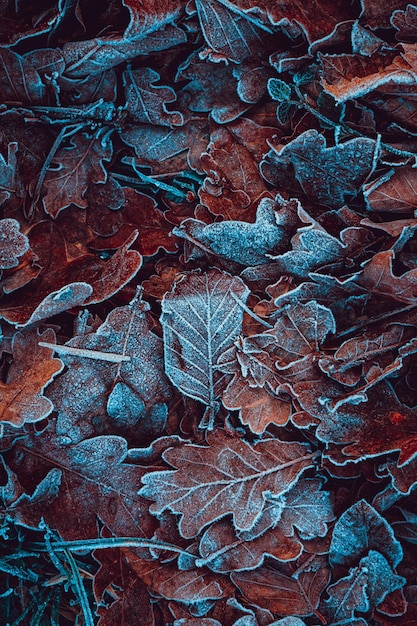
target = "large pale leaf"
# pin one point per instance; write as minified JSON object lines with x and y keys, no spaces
{"x":228,"y":476}
{"x":201,"y":317}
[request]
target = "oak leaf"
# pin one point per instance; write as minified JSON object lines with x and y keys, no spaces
{"x":33,"y":368}
{"x":229,"y":476}
{"x":13,"y":243}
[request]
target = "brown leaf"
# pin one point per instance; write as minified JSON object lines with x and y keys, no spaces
{"x":393,"y":192}
{"x":378,"y":277}
{"x":33,"y":368}
{"x":76,"y":167}
{"x":233,"y":185}
{"x":230,"y":476}
{"x":63,"y":284}
{"x":282,"y":594}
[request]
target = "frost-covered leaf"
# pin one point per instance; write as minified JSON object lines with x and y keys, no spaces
{"x":146,"y":102}
{"x":33,"y":368}
{"x":299,"y":331}
{"x":360,"y":529}
{"x":230,"y":33}
{"x":242,"y":242}
{"x":307,"y":508}
{"x":283,"y":594}
{"x":223,"y":551}
{"x":379,"y":278}
{"x":13,"y":243}
{"x":257,"y":407}
{"x":200,"y":319}
{"x":327,"y":175}
{"x":76,"y":166}
{"x":62,"y":283}
{"x":405,"y":23}
{"x":95,"y":467}
{"x":229,"y":476}
{"x":127,"y":331}
{"x":19,"y":81}
{"x":394,"y":192}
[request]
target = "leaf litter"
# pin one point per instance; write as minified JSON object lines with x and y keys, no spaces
{"x":208,"y":313}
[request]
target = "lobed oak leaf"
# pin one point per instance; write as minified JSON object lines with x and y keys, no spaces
{"x":95,"y":467}
{"x":327,"y":175}
{"x":132,"y":392}
{"x":283,"y":594}
{"x":211,"y":88}
{"x":229,"y":476}
{"x":77,"y":166}
{"x":307,"y":508}
{"x":257,"y":408}
{"x":138,"y":213}
{"x":233,"y":185}
{"x":200,"y":318}
{"x":13,"y":243}
{"x":378,"y":15}
{"x":33,"y":368}
{"x":146,"y":102}
{"x":316,"y":20}
{"x":405,"y":23}
{"x":186,"y":586}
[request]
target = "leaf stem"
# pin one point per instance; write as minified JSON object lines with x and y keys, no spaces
{"x":83,"y":352}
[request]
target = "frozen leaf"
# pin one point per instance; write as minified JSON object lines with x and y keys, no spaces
{"x":233,"y":186}
{"x":230,"y":33}
{"x":405,"y":23}
{"x":307,"y":508}
{"x":347,"y":76}
{"x":138,"y":213}
{"x":33,"y":368}
{"x":300,"y":330}
{"x":283,"y":594}
{"x":242,"y":242}
{"x":155,"y":144}
{"x":146,"y":102}
{"x":95,"y":467}
{"x":328,"y":175}
{"x":393,"y":192}
{"x":364,"y":588}
{"x":77,"y":166}
{"x":257,"y":408}
{"x":127,"y":331}
{"x":348,"y":595}
{"x":20,"y":83}
{"x":229,"y":476}
{"x":13,"y":243}
{"x":186,"y":586}
{"x":316,"y":20}
{"x":378,"y":277}
{"x":200,"y":319}
{"x":63,"y":284}
{"x":211,"y":88}
{"x":222,"y":551}
{"x":360,"y":529}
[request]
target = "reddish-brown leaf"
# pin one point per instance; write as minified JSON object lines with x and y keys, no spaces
{"x":33,"y":368}
{"x":229,"y":476}
{"x":394,"y":192}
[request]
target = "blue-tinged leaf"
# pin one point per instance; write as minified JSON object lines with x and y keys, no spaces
{"x":201,"y":318}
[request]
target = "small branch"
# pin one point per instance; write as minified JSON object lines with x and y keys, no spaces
{"x":251,"y":313}
{"x":88,"y":354}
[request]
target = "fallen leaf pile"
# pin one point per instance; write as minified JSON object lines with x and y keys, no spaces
{"x":208,"y":257}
